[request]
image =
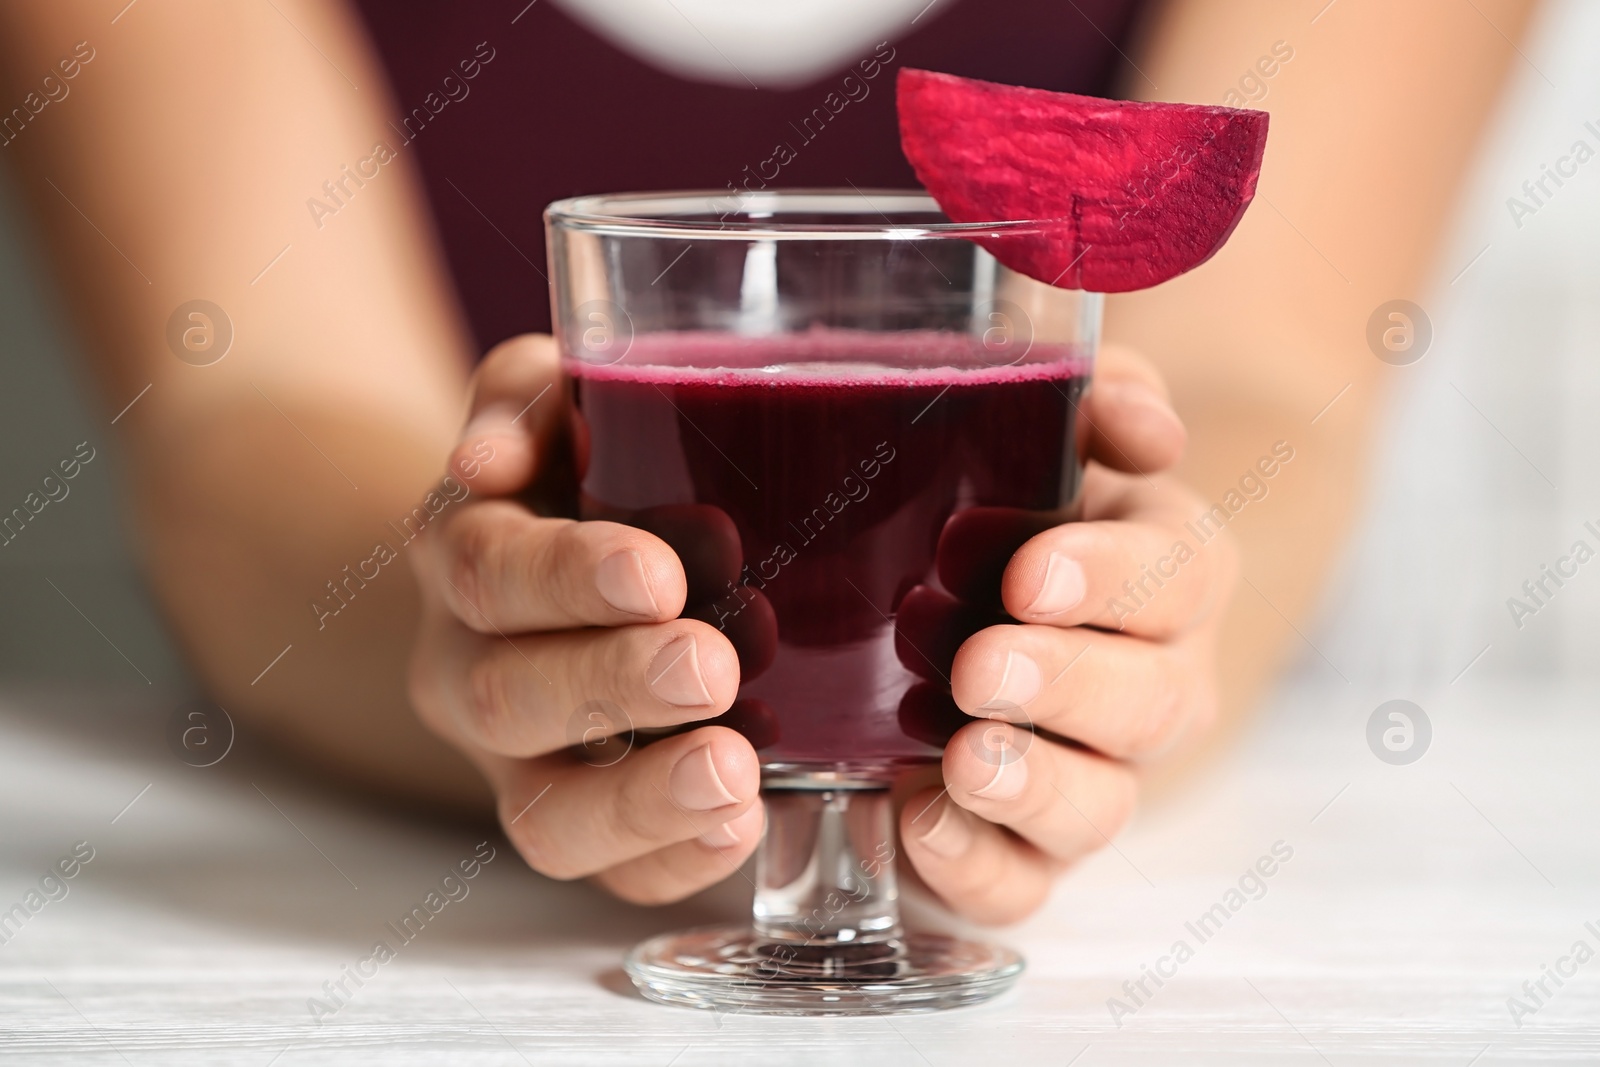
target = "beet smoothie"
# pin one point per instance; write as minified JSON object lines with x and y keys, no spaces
{"x":805,"y":480}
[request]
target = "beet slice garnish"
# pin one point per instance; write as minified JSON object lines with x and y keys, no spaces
{"x":1130,"y":193}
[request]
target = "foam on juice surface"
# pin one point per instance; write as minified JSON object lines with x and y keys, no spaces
{"x":833,"y":358}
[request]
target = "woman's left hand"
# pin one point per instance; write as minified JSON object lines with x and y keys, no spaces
{"x":1113,"y":651}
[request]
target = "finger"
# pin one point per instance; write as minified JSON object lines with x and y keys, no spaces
{"x":929,"y":627}
{"x":529,"y":695}
{"x":507,"y":570}
{"x":570,"y":820}
{"x":707,"y":543}
{"x":1064,"y":801}
{"x":978,"y":869}
{"x":1122,"y":696}
{"x":515,"y":398}
{"x":1144,"y":572}
{"x":1132,"y":425}
{"x":677,"y":871}
{"x":976,"y":545}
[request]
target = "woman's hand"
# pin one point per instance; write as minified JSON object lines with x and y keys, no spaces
{"x":1121,"y":671}
{"x":538,"y":632}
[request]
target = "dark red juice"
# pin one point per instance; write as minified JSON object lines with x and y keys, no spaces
{"x":805,"y":481}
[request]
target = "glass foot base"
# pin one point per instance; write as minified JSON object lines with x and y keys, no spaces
{"x":729,"y":969}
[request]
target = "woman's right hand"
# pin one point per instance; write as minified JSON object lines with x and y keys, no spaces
{"x":540,"y":634}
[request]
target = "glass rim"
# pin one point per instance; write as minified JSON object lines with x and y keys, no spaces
{"x":665,"y":215}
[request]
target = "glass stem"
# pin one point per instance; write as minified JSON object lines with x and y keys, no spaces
{"x":825,"y":871}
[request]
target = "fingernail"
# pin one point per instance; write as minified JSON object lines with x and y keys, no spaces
{"x":493,"y":421}
{"x":674,"y":674}
{"x":1010,"y":777}
{"x":950,"y":835}
{"x":694,"y":784}
{"x":1160,"y":409}
{"x":747,"y":827}
{"x":1063,"y":588}
{"x":1142,"y":397}
{"x":622,"y":583}
{"x":1019,"y":683}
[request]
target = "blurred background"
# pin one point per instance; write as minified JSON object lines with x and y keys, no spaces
{"x":81,"y":543}
{"x":1486,"y":461}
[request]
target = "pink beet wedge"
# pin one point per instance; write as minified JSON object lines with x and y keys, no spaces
{"x":1134,"y":193}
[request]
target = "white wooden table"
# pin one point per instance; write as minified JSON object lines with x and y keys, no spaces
{"x":1418,"y":899}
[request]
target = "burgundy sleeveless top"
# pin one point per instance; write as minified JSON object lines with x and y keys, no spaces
{"x":542,"y":108}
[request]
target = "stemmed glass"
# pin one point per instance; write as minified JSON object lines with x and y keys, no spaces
{"x":822,"y":399}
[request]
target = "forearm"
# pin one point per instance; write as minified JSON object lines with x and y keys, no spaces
{"x":1374,"y":121}
{"x":292,"y":591}
{"x":180,"y":166}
